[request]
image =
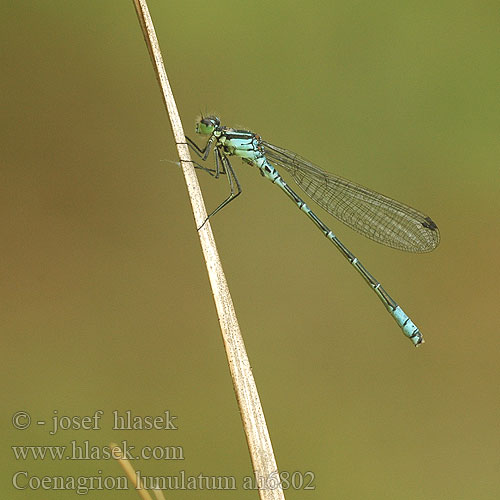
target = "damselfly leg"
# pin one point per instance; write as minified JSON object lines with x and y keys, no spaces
{"x":222,"y":167}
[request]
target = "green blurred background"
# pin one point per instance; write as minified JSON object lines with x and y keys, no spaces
{"x":105,"y":298}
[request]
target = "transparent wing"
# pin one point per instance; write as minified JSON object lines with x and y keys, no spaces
{"x":370,"y":213}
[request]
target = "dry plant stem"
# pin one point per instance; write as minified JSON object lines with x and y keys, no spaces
{"x":129,"y":470}
{"x":259,"y":442}
{"x":159,"y":495}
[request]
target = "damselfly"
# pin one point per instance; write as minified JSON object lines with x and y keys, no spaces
{"x":370,"y":213}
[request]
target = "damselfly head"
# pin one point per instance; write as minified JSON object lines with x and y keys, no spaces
{"x":205,"y":125}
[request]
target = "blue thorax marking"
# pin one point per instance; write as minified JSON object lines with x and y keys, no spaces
{"x":249,"y":148}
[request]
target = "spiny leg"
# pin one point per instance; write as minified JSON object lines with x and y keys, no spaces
{"x":210,"y":171}
{"x":223,"y":166}
{"x":203,"y":154}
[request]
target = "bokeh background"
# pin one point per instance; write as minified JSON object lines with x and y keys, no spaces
{"x":105,"y":299}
